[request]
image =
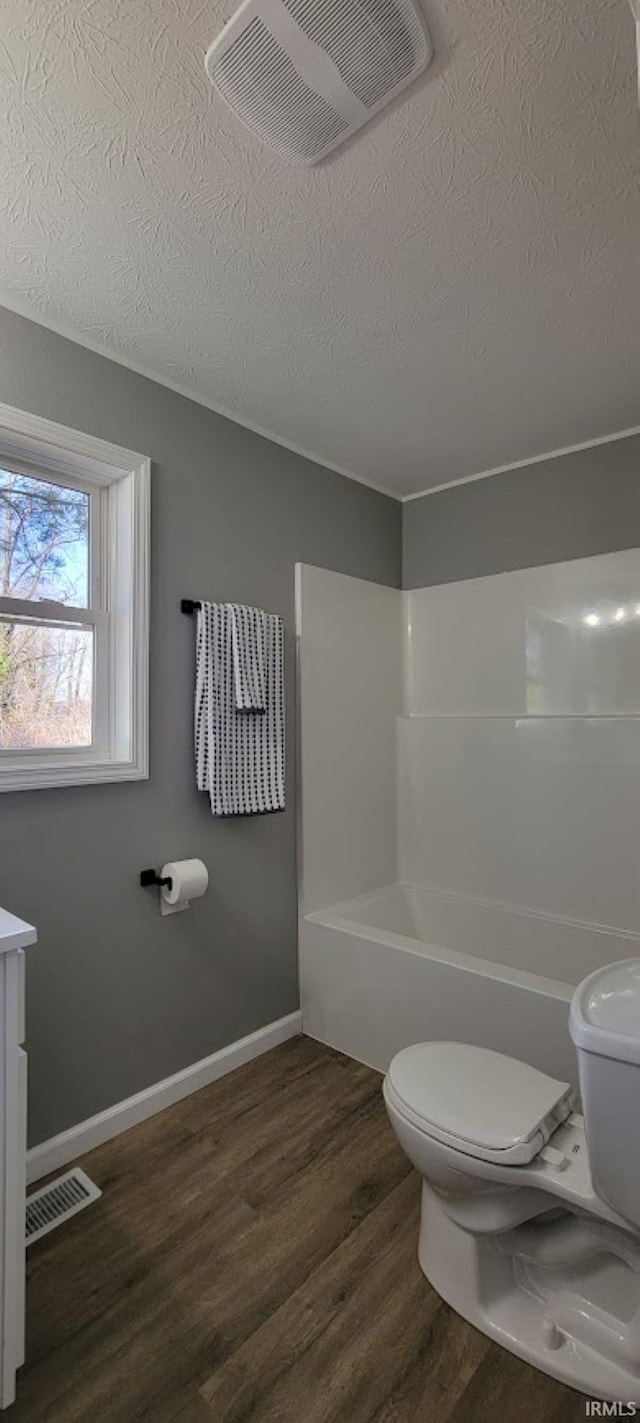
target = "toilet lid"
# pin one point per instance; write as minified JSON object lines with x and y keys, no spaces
{"x":480,"y":1102}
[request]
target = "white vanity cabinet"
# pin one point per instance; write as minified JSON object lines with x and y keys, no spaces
{"x":15,"y":936}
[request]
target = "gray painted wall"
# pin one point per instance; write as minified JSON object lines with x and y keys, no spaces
{"x":569,"y":507}
{"x":117,"y":996}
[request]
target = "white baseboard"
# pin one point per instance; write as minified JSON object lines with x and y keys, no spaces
{"x":60,"y":1150}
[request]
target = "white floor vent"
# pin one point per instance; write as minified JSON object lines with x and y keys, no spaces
{"x":56,"y":1202}
{"x":305,"y":74}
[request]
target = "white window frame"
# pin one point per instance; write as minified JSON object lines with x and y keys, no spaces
{"x":118,"y":483}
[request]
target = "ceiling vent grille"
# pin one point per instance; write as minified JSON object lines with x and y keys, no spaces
{"x":306,"y":74}
{"x":260,"y":81}
{"x":373,"y":43}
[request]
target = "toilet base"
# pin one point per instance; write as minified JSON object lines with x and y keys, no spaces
{"x":562,"y":1293}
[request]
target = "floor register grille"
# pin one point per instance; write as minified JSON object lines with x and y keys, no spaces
{"x":55,"y":1203}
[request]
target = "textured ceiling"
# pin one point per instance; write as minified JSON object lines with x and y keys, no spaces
{"x":457,"y":289}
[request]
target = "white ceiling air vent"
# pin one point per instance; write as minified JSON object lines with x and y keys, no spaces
{"x":305,"y":74}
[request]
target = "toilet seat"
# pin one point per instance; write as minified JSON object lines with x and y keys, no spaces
{"x":478,"y":1102}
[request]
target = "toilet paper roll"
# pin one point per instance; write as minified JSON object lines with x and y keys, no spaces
{"x":189,"y":880}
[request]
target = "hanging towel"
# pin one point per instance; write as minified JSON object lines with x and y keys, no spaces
{"x":248,"y":640}
{"x":240,"y":753}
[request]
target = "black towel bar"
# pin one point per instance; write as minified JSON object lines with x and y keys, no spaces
{"x":188,"y":607}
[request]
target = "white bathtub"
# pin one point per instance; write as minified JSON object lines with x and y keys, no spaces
{"x":407,"y":964}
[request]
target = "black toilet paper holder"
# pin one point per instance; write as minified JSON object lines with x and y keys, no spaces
{"x":148,"y":877}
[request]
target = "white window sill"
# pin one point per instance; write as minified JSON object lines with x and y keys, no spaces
{"x":77,"y":772}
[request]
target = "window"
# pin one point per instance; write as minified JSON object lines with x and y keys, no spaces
{"x":74,"y":534}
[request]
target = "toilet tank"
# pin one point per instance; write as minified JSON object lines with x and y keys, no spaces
{"x":604,"y":1023}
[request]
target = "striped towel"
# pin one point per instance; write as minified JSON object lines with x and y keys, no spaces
{"x":240,"y":750}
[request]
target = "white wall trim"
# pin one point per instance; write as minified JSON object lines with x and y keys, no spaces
{"x":70,"y":333}
{"x":59,"y":1150}
{"x":520,"y":464}
{"x":60,"y":446}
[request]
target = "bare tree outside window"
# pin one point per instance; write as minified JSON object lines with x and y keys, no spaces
{"x":46,"y":671}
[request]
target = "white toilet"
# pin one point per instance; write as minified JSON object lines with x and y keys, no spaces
{"x":530,"y":1222}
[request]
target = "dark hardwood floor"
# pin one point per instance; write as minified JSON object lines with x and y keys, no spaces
{"x":254,"y":1257}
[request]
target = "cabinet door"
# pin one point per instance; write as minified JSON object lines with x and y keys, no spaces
{"x":13,"y":1064}
{"x":21,"y":1175}
{"x":22,"y":964}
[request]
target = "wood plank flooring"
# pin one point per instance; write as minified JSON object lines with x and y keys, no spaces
{"x":254,"y":1257}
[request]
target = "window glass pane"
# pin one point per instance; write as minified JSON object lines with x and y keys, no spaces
{"x":46,"y":682}
{"x":44,"y":540}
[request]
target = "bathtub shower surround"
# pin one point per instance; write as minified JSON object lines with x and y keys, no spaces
{"x":350,"y":683}
{"x":519,"y":759}
{"x":506,"y":869}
